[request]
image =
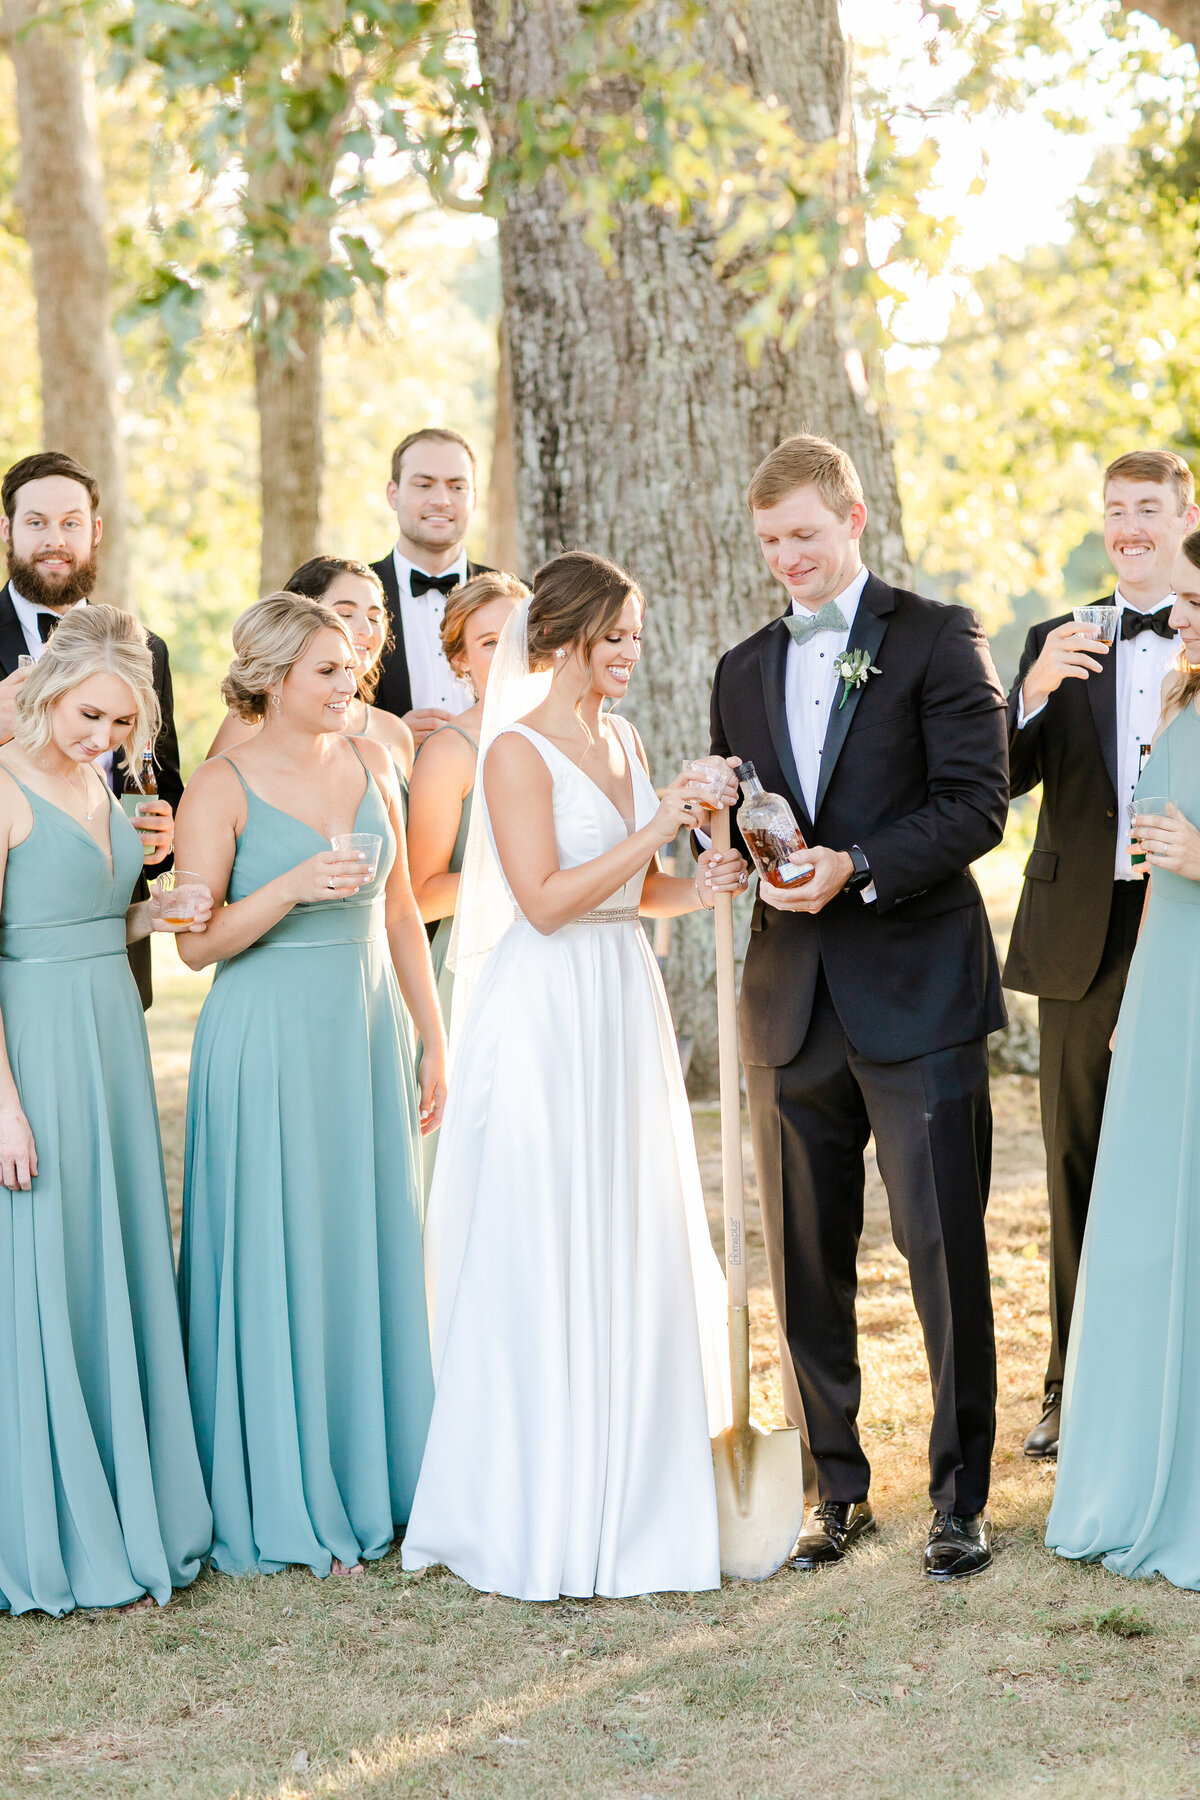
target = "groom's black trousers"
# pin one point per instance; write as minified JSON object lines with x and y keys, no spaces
{"x":932,"y":1122}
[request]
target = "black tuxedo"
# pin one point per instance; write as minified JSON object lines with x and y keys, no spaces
{"x":166,"y":756}
{"x":1072,"y":940}
{"x":394,"y":693}
{"x":874,"y":1017}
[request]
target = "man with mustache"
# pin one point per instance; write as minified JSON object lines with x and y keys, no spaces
{"x":51,"y":530}
{"x":1081,"y":902}
{"x":432,"y":493}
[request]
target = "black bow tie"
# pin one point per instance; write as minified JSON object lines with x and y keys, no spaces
{"x":47,"y":624}
{"x":419,"y":583}
{"x":1132,"y":622}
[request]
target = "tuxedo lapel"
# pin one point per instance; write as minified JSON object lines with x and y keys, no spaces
{"x":774,"y":670}
{"x":1102,"y":698}
{"x":12,"y":638}
{"x":866,"y":633}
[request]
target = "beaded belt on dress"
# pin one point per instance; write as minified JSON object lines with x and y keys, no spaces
{"x":603,"y":915}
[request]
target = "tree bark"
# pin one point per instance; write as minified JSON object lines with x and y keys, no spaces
{"x":287,"y":330}
{"x":503,"y":534}
{"x":60,"y":193}
{"x":1180,"y":16}
{"x":638,"y":419}
{"x":287,"y":387}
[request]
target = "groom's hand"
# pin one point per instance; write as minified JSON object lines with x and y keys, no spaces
{"x":832,"y":869}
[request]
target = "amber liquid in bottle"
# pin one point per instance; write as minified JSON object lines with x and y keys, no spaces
{"x":768,"y":825}
{"x":149,"y":784}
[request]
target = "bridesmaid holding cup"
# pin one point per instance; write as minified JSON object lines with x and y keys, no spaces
{"x":301,"y":1267}
{"x":102,"y":1502}
{"x":355,"y":594}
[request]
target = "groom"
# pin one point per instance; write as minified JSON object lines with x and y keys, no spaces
{"x":869,"y":991}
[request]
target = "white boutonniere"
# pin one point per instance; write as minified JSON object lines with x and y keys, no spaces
{"x":855,"y":667}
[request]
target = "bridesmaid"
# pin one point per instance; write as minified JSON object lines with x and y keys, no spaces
{"x":301,"y":1269}
{"x":1127,"y":1488}
{"x":444,"y":767}
{"x":355,"y":593}
{"x":101,"y":1497}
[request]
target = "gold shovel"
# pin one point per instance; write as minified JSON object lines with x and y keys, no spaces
{"x":760,"y":1474}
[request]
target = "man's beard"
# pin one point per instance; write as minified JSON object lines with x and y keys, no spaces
{"x":33,"y":586}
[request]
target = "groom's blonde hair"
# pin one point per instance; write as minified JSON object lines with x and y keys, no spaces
{"x":806,"y":461}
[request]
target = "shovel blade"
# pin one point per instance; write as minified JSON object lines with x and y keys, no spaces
{"x":760,"y":1499}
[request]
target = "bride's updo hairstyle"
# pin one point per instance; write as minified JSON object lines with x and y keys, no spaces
{"x":269,"y":639}
{"x":577,"y":598}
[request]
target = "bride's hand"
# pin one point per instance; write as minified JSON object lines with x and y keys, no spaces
{"x":432,"y":1080}
{"x":720,"y":872}
{"x":682,"y":808}
{"x":1172,"y":843}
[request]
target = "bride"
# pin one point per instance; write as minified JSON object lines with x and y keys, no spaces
{"x":577,"y":1308}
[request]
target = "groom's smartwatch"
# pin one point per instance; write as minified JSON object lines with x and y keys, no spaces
{"x":861,"y":877}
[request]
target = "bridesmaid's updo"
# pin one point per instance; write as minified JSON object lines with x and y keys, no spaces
{"x":269,"y":639}
{"x":577,"y":597}
{"x":489,"y":584}
{"x":92,"y":640}
{"x":1185,"y":680}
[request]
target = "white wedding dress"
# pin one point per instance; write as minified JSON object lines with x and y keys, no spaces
{"x":576,"y":1305}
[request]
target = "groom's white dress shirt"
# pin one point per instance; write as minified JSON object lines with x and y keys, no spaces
{"x":431,"y":678}
{"x":811,"y":688}
{"x":1143,"y":664}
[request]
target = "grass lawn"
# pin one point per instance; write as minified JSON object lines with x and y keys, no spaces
{"x":858,"y":1683}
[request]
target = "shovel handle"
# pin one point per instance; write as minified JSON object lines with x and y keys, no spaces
{"x":731,"y":1095}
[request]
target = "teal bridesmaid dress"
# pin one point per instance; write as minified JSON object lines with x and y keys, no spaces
{"x":101,"y":1495}
{"x":440,"y":942}
{"x":301,"y":1266}
{"x":1128,"y":1484}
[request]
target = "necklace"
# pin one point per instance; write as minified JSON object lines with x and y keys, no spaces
{"x":89,"y":810}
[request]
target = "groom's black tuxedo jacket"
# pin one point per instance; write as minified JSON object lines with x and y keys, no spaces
{"x":394,"y":693}
{"x":1071,"y":749}
{"x":915,"y":771}
{"x":166,"y":755}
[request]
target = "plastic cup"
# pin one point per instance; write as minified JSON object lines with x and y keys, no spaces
{"x":1105,"y":618}
{"x":180,"y":893}
{"x":711,"y":773}
{"x":1152,"y":806}
{"x":367,"y":844}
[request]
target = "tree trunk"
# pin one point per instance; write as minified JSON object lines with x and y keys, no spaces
{"x":60,"y":192}
{"x":638,"y":419}
{"x":1180,"y":16}
{"x":503,"y":536}
{"x":292,"y":249}
{"x":287,"y":387}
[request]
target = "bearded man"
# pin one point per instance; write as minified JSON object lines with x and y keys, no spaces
{"x":51,"y":530}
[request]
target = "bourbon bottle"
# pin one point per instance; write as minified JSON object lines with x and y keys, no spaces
{"x":768,"y":824}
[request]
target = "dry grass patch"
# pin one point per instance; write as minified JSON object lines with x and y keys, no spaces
{"x":857,"y":1683}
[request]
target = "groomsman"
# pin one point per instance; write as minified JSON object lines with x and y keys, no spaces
{"x":51,"y":530}
{"x":869,"y":991}
{"x":432,"y":492}
{"x":1081,"y":716}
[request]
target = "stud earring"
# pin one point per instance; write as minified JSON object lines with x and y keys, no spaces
{"x":560,"y":653}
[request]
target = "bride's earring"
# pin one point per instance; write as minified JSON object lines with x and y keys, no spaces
{"x":276,"y":703}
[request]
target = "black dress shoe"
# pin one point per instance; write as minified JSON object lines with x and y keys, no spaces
{"x":1042,"y":1441}
{"x":957,"y":1546}
{"x":829,"y":1530}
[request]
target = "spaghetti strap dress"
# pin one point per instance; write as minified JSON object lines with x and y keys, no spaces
{"x":301,"y":1271}
{"x":101,"y":1495}
{"x":440,"y":942}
